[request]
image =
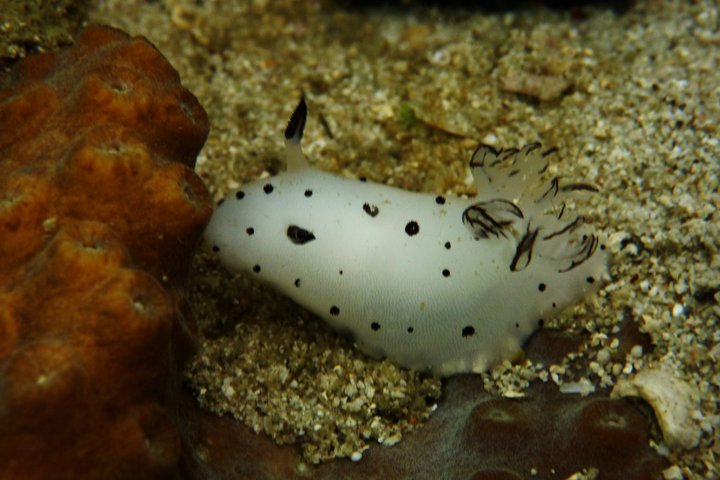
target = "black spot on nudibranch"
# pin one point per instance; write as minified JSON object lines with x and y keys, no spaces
{"x":239,"y":194}
{"x":412,"y":228}
{"x":215,"y":248}
{"x":268,"y":188}
{"x":468,"y":331}
{"x":308,"y":193}
{"x":446,"y":272}
{"x":410,"y":329}
{"x":363,"y":179}
{"x":375,"y":326}
{"x":542,"y":287}
{"x":334,"y":311}
{"x":590,"y":279}
{"x":297,"y":282}
{"x":541,"y":323}
{"x":250,"y":231}
{"x":299,"y":236}
{"x":447,"y":245}
{"x":440,"y":200}
{"x":256,"y":268}
{"x":371,"y":210}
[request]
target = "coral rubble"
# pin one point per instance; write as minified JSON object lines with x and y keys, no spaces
{"x":99,"y":213}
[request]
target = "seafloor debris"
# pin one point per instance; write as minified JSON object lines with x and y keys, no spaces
{"x":542,"y":87}
{"x":99,"y":214}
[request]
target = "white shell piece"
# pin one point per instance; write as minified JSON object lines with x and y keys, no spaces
{"x":673,"y":401}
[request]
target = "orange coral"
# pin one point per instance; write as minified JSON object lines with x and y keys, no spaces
{"x":99,"y":213}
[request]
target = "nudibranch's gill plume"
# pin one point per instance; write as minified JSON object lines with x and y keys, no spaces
{"x":99,"y":214}
{"x":432,"y":282}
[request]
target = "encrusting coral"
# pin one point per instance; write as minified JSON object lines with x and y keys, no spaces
{"x":99,"y":214}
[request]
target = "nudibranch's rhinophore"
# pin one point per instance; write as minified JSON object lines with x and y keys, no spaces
{"x":432,"y":282}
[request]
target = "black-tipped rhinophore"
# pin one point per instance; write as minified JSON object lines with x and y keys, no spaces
{"x":296,"y":124}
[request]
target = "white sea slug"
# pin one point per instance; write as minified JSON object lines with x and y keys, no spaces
{"x":432,"y":282}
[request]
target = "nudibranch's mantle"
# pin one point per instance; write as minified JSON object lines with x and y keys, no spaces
{"x":432,"y":282}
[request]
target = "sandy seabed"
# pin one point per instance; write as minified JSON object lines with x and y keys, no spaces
{"x":401,"y":95}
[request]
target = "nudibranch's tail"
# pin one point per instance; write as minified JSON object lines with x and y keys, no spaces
{"x":294,"y":158}
{"x":517,"y":203}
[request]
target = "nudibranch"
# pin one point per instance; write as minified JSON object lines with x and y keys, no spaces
{"x":432,"y":282}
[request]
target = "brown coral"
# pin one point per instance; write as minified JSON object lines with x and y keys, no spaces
{"x":99,"y":213}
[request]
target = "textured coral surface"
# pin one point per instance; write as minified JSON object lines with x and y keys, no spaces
{"x":99,"y":213}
